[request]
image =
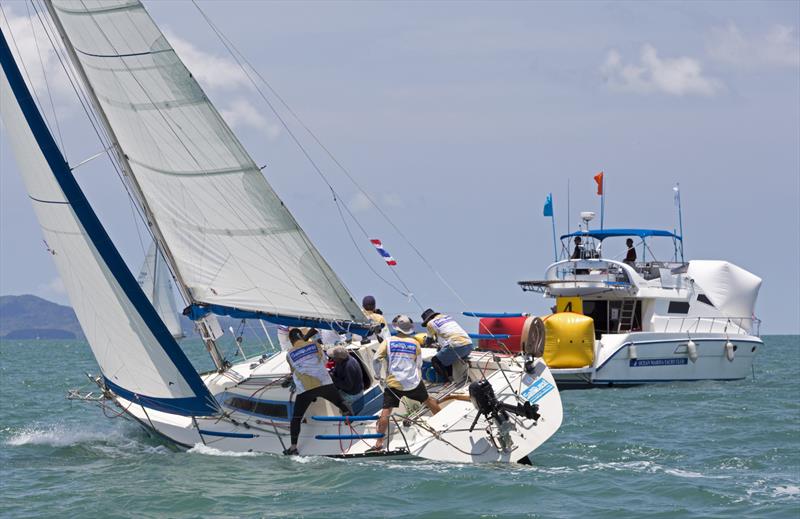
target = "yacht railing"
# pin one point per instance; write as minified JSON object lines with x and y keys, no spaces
{"x":715,"y":324}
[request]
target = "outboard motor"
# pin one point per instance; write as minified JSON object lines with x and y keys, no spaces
{"x":481,"y":394}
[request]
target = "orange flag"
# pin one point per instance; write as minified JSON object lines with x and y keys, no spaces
{"x":599,"y":179}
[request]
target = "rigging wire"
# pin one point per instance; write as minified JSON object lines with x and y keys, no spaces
{"x":99,"y":131}
{"x":241,"y":61}
{"x":28,"y":77}
{"x":46,"y":82}
{"x":240,"y":58}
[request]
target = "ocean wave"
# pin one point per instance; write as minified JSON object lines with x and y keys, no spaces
{"x":56,"y":435}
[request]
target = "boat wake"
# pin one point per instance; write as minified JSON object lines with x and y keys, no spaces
{"x":55,"y":435}
{"x":211,"y":451}
{"x":122,"y":439}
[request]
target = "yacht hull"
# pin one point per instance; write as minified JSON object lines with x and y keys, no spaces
{"x":642,"y":358}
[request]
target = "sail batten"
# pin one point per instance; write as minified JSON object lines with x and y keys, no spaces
{"x":227,"y":235}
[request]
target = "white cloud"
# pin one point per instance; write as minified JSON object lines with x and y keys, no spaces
{"x":211,"y":71}
{"x":673,"y":76}
{"x":221,"y":74}
{"x":779,"y":46}
{"x":24,"y":35}
{"x":241,"y":113}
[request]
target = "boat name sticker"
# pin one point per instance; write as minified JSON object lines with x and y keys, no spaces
{"x":537,"y":390}
{"x":643,"y":363}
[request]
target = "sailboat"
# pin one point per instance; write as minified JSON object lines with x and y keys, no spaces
{"x":232,"y":248}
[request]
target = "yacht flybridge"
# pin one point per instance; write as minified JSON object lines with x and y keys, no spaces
{"x":232,"y":248}
{"x":636,"y":319}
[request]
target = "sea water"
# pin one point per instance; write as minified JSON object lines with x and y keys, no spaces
{"x":703,"y":449}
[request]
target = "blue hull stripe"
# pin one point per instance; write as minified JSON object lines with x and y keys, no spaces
{"x":366,"y":418}
{"x":190,"y":406}
{"x":203,"y":403}
{"x":371,"y":436}
{"x":226,"y":434}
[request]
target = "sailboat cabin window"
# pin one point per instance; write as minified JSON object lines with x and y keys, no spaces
{"x":272,"y":409}
{"x":678,"y":307}
{"x":703,"y":299}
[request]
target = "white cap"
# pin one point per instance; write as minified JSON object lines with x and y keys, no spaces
{"x":403,"y":324}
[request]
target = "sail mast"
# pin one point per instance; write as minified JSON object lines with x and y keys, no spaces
{"x":152,"y":223}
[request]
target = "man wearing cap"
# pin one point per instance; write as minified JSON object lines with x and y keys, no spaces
{"x":346,"y":375}
{"x":454,"y":341}
{"x":368,"y":305}
{"x":307,"y":362}
{"x":403,"y":358}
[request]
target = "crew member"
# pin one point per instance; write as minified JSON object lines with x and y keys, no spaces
{"x":346,"y":375}
{"x":402,"y":356}
{"x":311,"y":379}
{"x":376,"y":318}
{"x":453,"y":341}
{"x":630,"y":257}
{"x":577,"y":253}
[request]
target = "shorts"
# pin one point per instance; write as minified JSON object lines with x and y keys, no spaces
{"x":449,"y":355}
{"x":391,"y":396}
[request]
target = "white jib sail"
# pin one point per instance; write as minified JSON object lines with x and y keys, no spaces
{"x":232,"y":240}
{"x":154,"y":279}
{"x":135,"y":352}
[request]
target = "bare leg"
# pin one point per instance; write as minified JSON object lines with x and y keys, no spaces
{"x":383,"y":426}
{"x":433,"y":405}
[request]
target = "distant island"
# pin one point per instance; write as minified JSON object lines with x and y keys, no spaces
{"x":31,"y":317}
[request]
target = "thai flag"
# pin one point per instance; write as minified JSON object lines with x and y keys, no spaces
{"x":386,"y":256}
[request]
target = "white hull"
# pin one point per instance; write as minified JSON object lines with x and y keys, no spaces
{"x":662,"y":357}
{"x":444,"y":437}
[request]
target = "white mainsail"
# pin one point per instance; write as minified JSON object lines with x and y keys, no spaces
{"x":154,"y":279}
{"x":138,"y":357}
{"x":231,"y":240}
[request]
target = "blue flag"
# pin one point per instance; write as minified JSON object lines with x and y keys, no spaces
{"x":548,"y":205}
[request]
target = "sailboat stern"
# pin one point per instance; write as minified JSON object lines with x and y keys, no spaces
{"x":468,"y":432}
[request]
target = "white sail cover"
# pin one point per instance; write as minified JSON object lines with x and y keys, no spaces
{"x":232,"y":240}
{"x":138,"y":358}
{"x":154,"y":280}
{"x":731,"y":289}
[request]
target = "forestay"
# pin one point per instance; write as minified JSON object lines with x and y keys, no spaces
{"x":137,"y":355}
{"x":154,"y":279}
{"x":232,"y":241}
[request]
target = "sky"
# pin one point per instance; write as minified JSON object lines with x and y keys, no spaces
{"x":459,"y":118}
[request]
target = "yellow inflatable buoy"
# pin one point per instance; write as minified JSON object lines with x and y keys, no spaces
{"x":568,"y":340}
